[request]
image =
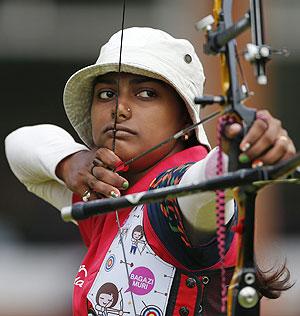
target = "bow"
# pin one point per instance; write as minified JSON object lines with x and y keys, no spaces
{"x":243,"y":293}
{"x":243,"y":297}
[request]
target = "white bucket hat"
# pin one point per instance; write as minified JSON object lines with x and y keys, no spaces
{"x":148,"y":52}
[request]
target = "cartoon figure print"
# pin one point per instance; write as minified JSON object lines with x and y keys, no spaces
{"x":136,"y":236}
{"x":106,"y":298}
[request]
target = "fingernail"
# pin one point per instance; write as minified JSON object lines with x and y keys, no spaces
{"x":245,"y":146}
{"x":243,"y":158}
{"x":125,"y":185}
{"x":257,"y":163}
{"x":113,"y":194}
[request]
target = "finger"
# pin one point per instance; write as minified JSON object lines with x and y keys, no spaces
{"x":108,"y":158}
{"x":291,"y":151}
{"x":255,"y":132}
{"x":89,"y":195}
{"x":277,"y":152}
{"x":282,"y":150}
{"x":98,"y":163}
{"x":96,"y":196}
{"x":110,"y":177}
{"x":232,"y":130}
{"x":85,"y":196}
{"x":266,"y":140}
{"x":101,"y":187}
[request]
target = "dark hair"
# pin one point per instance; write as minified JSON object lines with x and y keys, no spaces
{"x":273,"y":282}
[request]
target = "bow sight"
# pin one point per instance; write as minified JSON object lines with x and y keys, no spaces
{"x":256,"y":52}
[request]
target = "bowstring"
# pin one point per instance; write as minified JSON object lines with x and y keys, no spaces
{"x":119,"y":77}
{"x":114,"y":149}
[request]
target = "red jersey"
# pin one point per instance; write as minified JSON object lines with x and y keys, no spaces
{"x":196,"y":286}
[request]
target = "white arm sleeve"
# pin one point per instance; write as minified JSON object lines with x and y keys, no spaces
{"x":33,"y":152}
{"x":198,"y":209}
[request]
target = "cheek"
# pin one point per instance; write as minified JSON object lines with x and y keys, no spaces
{"x":171,"y":121}
{"x":173,"y":114}
{"x":95,"y":126}
{"x":99,"y":117}
{"x":94,"y":115}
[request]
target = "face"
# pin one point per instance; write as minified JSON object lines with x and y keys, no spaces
{"x":105,"y":299}
{"x":136,"y":235}
{"x":149,"y":111}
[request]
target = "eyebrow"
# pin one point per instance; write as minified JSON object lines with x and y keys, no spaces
{"x":143,"y":80}
{"x":104,"y":80}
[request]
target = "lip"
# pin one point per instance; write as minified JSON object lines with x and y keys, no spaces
{"x":119,"y":128}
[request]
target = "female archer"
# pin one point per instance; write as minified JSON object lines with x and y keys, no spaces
{"x":120,"y":111}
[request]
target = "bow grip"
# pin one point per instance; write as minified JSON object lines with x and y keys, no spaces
{"x":245,"y":116}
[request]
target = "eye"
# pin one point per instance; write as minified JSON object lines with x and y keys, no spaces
{"x":146,"y":94}
{"x":106,"y":95}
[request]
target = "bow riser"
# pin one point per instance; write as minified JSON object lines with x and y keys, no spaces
{"x":236,"y":110}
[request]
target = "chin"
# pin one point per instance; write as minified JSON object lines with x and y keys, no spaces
{"x":123,"y":152}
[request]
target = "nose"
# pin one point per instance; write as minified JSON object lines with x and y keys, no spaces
{"x":121,"y":112}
